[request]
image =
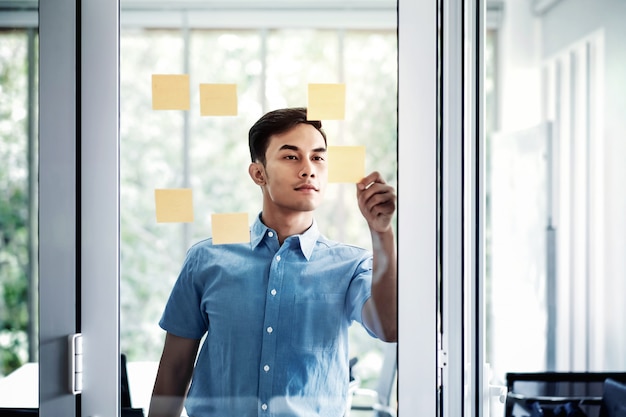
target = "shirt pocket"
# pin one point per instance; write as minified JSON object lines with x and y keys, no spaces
{"x":317,"y":322}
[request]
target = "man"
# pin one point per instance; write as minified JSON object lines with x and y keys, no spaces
{"x":276,"y":311}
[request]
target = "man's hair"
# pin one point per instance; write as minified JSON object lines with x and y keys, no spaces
{"x":273,"y":123}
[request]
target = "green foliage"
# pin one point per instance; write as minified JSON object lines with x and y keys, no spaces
{"x":13,"y":352}
{"x":14,"y":260}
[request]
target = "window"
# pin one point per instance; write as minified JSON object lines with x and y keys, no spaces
{"x":271,"y":68}
{"x":19,"y":336}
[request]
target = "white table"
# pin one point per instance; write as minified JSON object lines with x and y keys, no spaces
{"x":20,"y":389}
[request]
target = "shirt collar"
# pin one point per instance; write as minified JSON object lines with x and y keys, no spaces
{"x":307,"y":239}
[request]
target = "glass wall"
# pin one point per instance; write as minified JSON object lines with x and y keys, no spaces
{"x":271,"y":68}
{"x":18,"y":218}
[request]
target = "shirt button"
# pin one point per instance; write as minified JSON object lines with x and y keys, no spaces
{"x":273,"y":292}
{"x":278,"y":258}
{"x":266,"y":368}
{"x":270,"y":330}
{"x":270,"y":234}
{"x":264,"y":407}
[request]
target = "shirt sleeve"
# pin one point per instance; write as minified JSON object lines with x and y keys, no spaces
{"x":183,"y":315}
{"x":360,"y":290}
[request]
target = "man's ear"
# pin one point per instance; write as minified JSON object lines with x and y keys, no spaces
{"x":257,"y":173}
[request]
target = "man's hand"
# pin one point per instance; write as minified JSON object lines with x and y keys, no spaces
{"x":377,"y":202}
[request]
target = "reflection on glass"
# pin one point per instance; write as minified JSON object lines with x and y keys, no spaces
{"x":555,"y":97}
{"x":271,"y":68}
{"x":18,"y":219}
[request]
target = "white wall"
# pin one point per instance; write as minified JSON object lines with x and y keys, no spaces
{"x":569,"y":21}
{"x":519,"y":71}
{"x":526,"y":41}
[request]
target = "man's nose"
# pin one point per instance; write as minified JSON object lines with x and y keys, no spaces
{"x":307,"y":169}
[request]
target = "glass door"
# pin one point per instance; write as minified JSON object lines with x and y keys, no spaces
{"x":80,"y":168}
{"x":271,"y":54}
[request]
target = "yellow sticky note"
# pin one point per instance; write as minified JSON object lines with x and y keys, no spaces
{"x":170,"y":92}
{"x":346,"y":163}
{"x":326,"y":102}
{"x":230,"y":228}
{"x":218,"y":99}
{"x":174,"y":205}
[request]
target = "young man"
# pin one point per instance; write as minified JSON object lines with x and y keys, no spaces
{"x":276,"y":311}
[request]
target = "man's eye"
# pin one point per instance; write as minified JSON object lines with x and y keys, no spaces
{"x":291,"y":157}
{"x":318,"y":158}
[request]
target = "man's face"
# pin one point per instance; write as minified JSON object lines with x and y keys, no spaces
{"x":296,"y":170}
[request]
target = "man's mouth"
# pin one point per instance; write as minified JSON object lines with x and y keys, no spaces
{"x":305,"y":187}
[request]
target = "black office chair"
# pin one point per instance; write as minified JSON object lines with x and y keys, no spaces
{"x":613,"y":399}
{"x":19,"y":412}
{"x":127,"y":407}
{"x":551,"y":389}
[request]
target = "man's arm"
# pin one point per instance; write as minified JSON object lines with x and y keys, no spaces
{"x":173,"y":376}
{"x":377,"y":202}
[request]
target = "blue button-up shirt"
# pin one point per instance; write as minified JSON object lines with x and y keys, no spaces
{"x":276,"y":321}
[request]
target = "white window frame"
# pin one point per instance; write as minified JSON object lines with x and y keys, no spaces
{"x":417,"y":208}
